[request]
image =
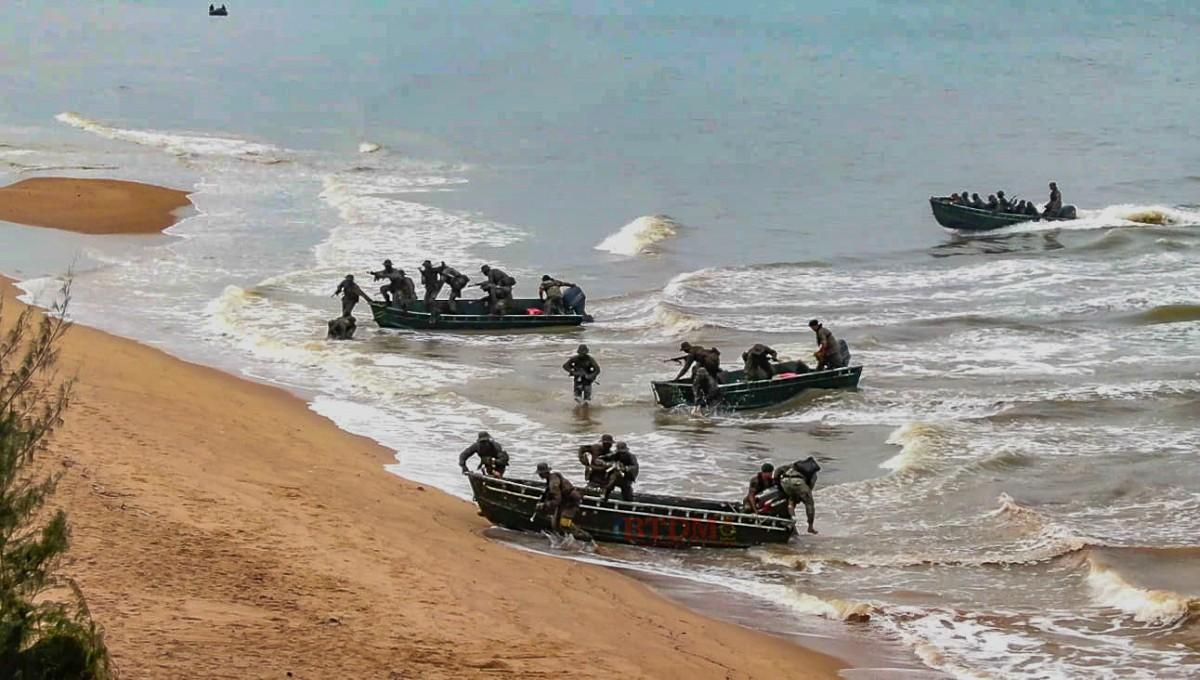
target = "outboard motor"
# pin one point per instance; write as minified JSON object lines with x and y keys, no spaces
{"x":845,"y":352}
{"x":772,"y":502}
{"x":1067,"y":213}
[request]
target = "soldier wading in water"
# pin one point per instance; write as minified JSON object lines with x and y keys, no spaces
{"x":584,"y":370}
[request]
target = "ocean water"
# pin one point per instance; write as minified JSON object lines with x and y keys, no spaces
{"x":1011,"y":493}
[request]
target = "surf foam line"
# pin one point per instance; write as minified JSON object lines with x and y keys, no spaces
{"x":640,"y":236}
{"x":178,"y":144}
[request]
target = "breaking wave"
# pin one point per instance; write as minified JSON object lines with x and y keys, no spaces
{"x":369,"y":147}
{"x":920,"y":444}
{"x":178,"y":144}
{"x":640,"y":236}
{"x":1145,"y":605}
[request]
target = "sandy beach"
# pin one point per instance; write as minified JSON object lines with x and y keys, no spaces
{"x":91,"y":206}
{"x":223,"y":530}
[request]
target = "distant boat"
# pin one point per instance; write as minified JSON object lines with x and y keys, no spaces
{"x":966,"y":218}
{"x":218,"y":11}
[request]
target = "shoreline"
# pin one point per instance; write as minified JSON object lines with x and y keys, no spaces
{"x":92,"y":206}
{"x":221,"y":527}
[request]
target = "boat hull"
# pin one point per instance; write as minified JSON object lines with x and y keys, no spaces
{"x":966,"y":218}
{"x":742,"y":395}
{"x":649,"y":520}
{"x":471,"y":315}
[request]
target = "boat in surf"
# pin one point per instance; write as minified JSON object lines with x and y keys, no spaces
{"x":470,"y":315}
{"x":966,"y":218}
{"x":648,"y":519}
{"x":740,"y":394}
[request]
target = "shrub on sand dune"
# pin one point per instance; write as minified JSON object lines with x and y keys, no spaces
{"x":46,"y":632}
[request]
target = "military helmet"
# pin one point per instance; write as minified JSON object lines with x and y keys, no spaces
{"x":387,"y":263}
{"x":685,"y":346}
{"x":622,"y":446}
{"x":483,"y":436}
{"x":607,"y":438}
{"x":583,"y":349}
{"x":543,"y":467}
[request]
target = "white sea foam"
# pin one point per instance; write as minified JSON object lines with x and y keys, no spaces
{"x":179,"y":144}
{"x":640,"y":236}
{"x":1156,"y":607}
{"x":369,"y":147}
{"x":1119,"y":215}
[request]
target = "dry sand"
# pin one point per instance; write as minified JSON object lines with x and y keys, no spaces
{"x":221,"y":529}
{"x":91,"y":206}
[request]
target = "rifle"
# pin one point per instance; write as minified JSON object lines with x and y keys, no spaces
{"x":676,"y":359}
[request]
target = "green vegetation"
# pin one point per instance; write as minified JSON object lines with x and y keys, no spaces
{"x":46,"y":632}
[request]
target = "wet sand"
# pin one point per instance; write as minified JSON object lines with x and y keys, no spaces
{"x":221,"y":529}
{"x":91,"y":206}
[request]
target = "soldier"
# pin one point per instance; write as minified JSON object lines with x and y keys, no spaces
{"x":560,"y":500}
{"x":457,"y":281}
{"x":431,"y":278}
{"x":497,"y":277}
{"x":1054,"y":205}
{"x":760,"y":482}
{"x":757,"y":362}
{"x":706,"y":390}
{"x":695,"y":355}
{"x":492,"y":457}
{"x":829,"y":350}
{"x":584,"y":370}
{"x":498,"y":297}
{"x":551,"y":290}
{"x":798,"y":481}
{"x":350,"y":292}
{"x":623,"y":472}
{"x":594,"y":458}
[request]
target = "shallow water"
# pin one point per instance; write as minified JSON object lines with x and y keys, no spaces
{"x":1012,"y":490}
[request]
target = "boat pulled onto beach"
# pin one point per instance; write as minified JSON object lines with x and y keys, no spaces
{"x":471,"y":315}
{"x":648,"y":519}
{"x":967,"y":218}
{"x":740,"y":394}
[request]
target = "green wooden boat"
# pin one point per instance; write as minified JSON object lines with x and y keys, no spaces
{"x":469,"y":315}
{"x":966,"y":218}
{"x":741,"y":394}
{"x":650,"y":520}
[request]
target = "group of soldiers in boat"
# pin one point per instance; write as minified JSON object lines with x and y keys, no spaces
{"x":998,"y":202}
{"x":609,"y":465}
{"x":705,"y":363}
{"x":555,"y":297}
